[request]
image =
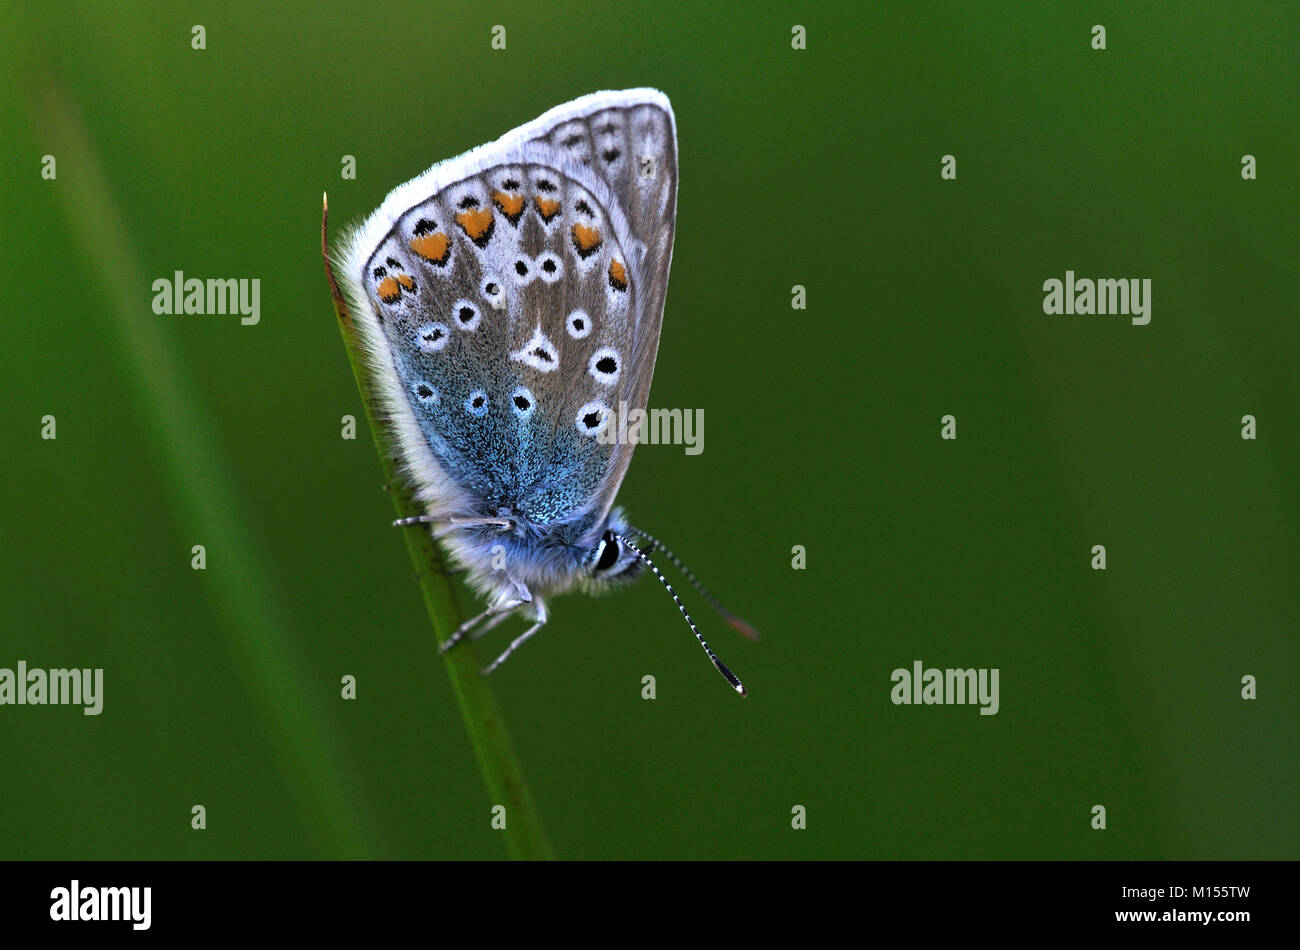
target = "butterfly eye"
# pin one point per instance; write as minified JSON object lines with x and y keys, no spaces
{"x":609,"y":552}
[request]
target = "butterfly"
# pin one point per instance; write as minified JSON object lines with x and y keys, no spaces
{"x":508,"y":302}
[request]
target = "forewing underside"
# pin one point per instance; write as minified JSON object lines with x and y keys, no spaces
{"x":520,"y":308}
{"x":508,"y":305}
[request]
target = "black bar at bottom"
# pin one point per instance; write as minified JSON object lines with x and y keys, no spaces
{"x":1227,"y":900}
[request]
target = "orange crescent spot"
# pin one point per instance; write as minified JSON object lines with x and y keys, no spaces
{"x":406,"y":280}
{"x":388,"y":290}
{"x":586,"y":238}
{"x":477,"y":224}
{"x":547,"y":208}
{"x":617,"y":274}
{"x":432,"y":247}
{"x":512,"y":206}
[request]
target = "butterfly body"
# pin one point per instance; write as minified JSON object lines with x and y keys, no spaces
{"x":509,"y":303}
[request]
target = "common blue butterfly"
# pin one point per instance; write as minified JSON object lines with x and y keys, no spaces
{"x":507,"y":301}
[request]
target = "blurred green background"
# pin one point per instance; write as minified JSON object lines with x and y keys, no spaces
{"x":817,"y":167}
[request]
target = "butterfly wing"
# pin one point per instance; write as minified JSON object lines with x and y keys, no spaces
{"x":629,"y":139}
{"x":509,"y":302}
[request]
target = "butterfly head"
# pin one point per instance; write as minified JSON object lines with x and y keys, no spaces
{"x":614,"y":561}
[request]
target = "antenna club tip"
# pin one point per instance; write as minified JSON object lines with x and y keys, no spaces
{"x":741,"y":690}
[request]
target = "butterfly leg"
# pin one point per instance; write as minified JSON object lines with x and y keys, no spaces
{"x":505,"y":524}
{"x":540,"y":609}
{"x":489,"y":626}
{"x":493,"y":615}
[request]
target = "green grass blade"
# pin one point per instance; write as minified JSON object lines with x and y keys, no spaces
{"x":524,"y":836}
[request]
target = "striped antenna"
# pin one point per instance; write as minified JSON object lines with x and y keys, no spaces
{"x":723,"y":612}
{"x":729,"y":676}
